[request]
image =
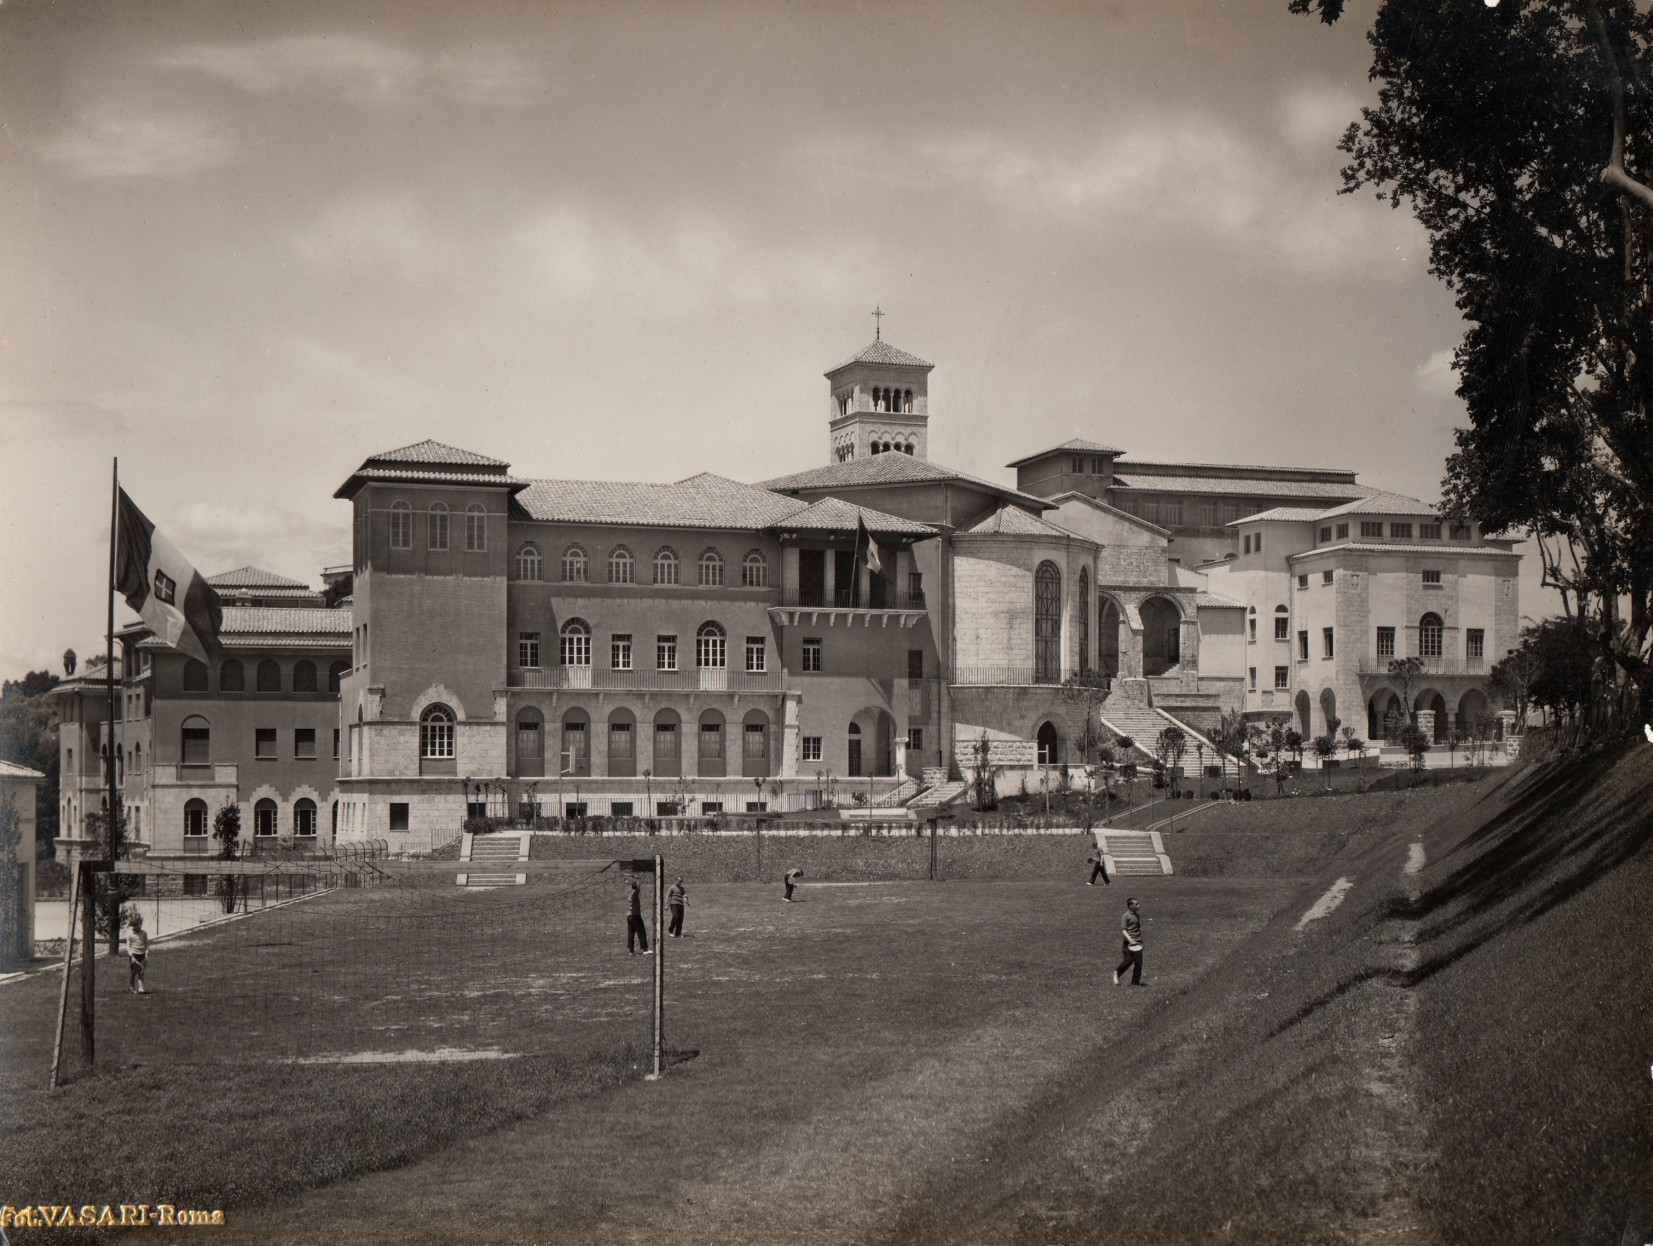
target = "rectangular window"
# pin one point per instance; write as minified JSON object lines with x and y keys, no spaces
{"x":711,"y":741}
{"x":398,"y":815}
{"x":1148,"y":508}
{"x":195,"y":819}
{"x":622,"y":744}
{"x":1208,"y":514}
{"x":1251,"y":630}
{"x":1246,"y":540}
{"x":915,"y":664}
{"x":197,"y":747}
{"x":1257,"y":543}
{"x":811,"y":748}
{"x":1303,"y":646}
{"x":915,"y":588}
{"x":401,"y":526}
{"x":1302,"y":581}
{"x":619,"y":651}
{"x":1400,"y":531}
{"x":621,"y":809}
{"x":1429,"y":531}
{"x":1370,"y":528}
{"x":755,"y":742}
{"x":476,"y":529}
{"x":1326,"y":649}
{"x":665,"y":653}
{"x":304,"y":742}
{"x":1475,"y":642}
{"x":1325,"y":577}
{"x":1251,"y":676}
{"x":264,"y":742}
{"x":1170,"y":511}
{"x":439,"y":526}
{"x":1325,"y":535}
{"x":1282,"y":677}
{"x":1342,"y":532}
{"x":1386,"y":642}
{"x":1282,"y":627}
{"x":336,"y":737}
{"x":1078,"y":466}
{"x":528,"y":649}
{"x":1460,"y":532}
{"x":666,"y":749}
{"x":756,"y":661}
{"x":1432,"y":577}
{"x":915,"y":739}
{"x":812,"y":654}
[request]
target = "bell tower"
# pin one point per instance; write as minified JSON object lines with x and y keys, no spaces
{"x":880,"y":403}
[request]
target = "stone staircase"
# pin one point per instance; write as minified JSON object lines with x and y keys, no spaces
{"x":1133,"y":853}
{"x":897,"y":795}
{"x":938,"y":796}
{"x":491,"y":854}
{"x":1130,"y":712}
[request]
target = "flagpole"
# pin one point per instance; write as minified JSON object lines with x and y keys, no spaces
{"x":109,"y":670}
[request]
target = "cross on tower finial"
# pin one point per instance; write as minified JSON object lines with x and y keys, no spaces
{"x":878,"y":314}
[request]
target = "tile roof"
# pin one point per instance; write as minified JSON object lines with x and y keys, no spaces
{"x":1012,"y":521}
{"x":1076,"y":443}
{"x":1073,"y":495}
{"x":703,"y":501}
{"x":1242,"y":486}
{"x":836,"y":515}
{"x":881,"y":351}
{"x":421,"y":476}
{"x":1301,"y":514}
{"x":429,"y":451}
{"x":1403,"y":547}
{"x":1232,"y":467}
{"x":254,"y":577}
{"x":1214,"y":602}
{"x":11,"y":770}
{"x":892,"y":469}
{"x":1383,"y":503}
{"x":285,"y":621}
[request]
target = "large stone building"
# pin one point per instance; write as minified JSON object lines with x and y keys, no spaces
{"x":848,"y":633}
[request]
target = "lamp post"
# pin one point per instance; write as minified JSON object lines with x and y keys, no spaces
{"x":648,"y":794}
{"x":757,"y":788}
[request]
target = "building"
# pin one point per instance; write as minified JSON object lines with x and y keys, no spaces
{"x":18,"y":788}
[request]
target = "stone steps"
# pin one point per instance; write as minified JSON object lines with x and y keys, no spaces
{"x":1133,"y":853}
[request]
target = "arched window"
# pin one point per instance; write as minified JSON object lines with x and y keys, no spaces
{"x":575,"y":565}
{"x":908,"y":448}
{"x":530,"y":566}
{"x":304,"y":817}
{"x":711,"y":647}
{"x":401,"y":526}
{"x":576,"y":643}
{"x":304,"y":675}
{"x":137,"y":758}
{"x":476,"y":527}
{"x":269,"y":675}
{"x":438,"y":525}
{"x":1430,"y":633}
{"x":711,"y":569}
{"x":1049,"y":745}
{"x":530,"y":743}
{"x":1047,"y":623}
{"x":231,"y":677}
{"x":754,"y":745}
{"x":665,"y":566}
{"x":195,"y":741}
{"x":195,"y":819}
{"x":1082,"y":617}
{"x":335,"y":674}
{"x":907,"y":405}
{"x":575,"y":755}
{"x":754,"y":570}
{"x":622,"y":566}
{"x":195,"y":676}
{"x":436,"y":732}
{"x":264,"y":818}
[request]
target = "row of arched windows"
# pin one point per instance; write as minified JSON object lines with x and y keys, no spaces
{"x":437,"y":526}
{"x":890,"y":447}
{"x":232,"y":676}
{"x":893,"y":400}
{"x":622,"y":566}
{"x":711,"y":645}
{"x":266,"y":818}
{"x":573,"y":755}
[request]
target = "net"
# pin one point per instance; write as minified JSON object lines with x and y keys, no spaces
{"x":364,"y":960}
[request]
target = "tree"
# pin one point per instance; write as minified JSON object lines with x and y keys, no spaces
{"x":1406,"y":674}
{"x":1086,"y":691}
{"x":1125,"y":744}
{"x":28,"y":736}
{"x":1415,"y":740}
{"x":226,"y":829}
{"x":984,"y":791}
{"x":1521,"y":136}
{"x":1325,"y":748}
{"x":1511,"y":681}
{"x":1169,"y":747}
{"x":1230,"y":739}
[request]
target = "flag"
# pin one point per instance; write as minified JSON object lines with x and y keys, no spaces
{"x":874,"y":563}
{"x":170,"y":595}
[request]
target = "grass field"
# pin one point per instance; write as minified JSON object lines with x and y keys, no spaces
{"x":898,"y":1061}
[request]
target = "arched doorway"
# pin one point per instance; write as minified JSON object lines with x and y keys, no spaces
{"x":1328,"y":712}
{"x":1050,"y":744}
{"x":667,"y":753}
{"x":621,"y":761}
{"x":713,"y":757}
{"x":1474,"y":709}
{"x":1305,"y":725}
{"x":575,"y":755}
{"x":1385,"y":715}
{"x":1161,"y":636}
{"x":871,"y":744}
{"x":754,"y":745}
{"x":1433,"y":701}
{"x":530,"y":743}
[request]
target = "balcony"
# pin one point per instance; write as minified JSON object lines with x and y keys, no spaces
{"x":602,"y":679}
{"x":810,"y":607}
{"x":1004,"y":677}
{"x":1445,"y":664}
{"x":202,"y":774}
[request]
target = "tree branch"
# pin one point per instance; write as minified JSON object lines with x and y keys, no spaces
{"x":1614,"y":174}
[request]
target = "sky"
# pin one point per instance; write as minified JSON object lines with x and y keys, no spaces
{"x":245,"y":245}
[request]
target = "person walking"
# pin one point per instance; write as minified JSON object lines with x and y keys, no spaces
{"x":1131,"y":932}
{"x":676,"y":899}
{"x":791,"y":880}
{"x":137,"y":952}
{"x":1099,"y":869}
{"x":635,"y":929}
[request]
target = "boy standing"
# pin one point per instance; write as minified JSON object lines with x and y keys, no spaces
{"x":635,"y":929}
{"x":137,"y":951}
{"x":676,"y":898}
{"x":1131,"y":932}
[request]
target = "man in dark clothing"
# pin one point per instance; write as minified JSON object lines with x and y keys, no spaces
{"x":1131,"y":930}
{"x":635,"y":930}
{"x":791,"y":881}
{"x":1099,"y":869}
{"x":676,"y":898}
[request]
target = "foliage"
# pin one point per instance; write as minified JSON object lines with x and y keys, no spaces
{"x":28,"y":736}
{"x":1169,"y":747}
{"x":1415,"y":740}
{"x":1232,"y":739}
{"x":983,"y":791}
{"x":1086,"y":691}
{"x":226,"y":829}
{"x":1519,"y":135}
{"x":1406,"y":674}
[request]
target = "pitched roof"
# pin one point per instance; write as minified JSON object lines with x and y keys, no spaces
{"x":837,"y":515}
{"x":1243,"y":486}
{"x":285,"y":621}
{"x":1074,"y":444}
{"x":1073,"y":495}
{"x":881,"y":351}
{"x":1301,"y":514}
{"x":429,"y":451}
{"x":1261,"y":470}
{"x":1211,"y":601}
{"x":254,"y":577}
{"x":1383,"y":503}
{"x":1404,"y":547}
{"x":1013,"y":521}
{"x":703,"y":501}
{"x":892,"y":469}
{"x":11,"y":770}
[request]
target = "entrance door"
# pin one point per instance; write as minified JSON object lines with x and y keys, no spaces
{"x":855,"y":757}
{"x":812,"y":577}
{"x":843,"y":572}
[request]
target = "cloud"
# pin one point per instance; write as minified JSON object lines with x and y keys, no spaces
{"x":363,"y":71}
{"x":371,"y":232}
{"x":165,"y":143}
{"x":1315,"y":115}
{"x":219,"y":538}
{"x":57,"y":420}
{"x":1436,"y":376}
